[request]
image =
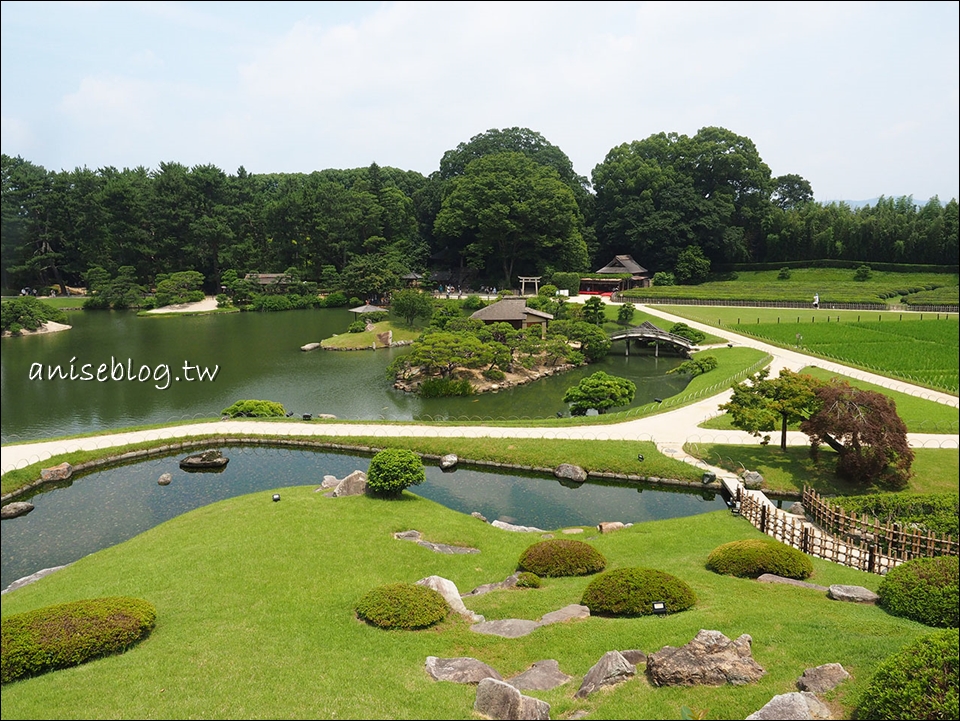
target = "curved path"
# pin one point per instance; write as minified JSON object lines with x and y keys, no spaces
{"x":669,"y":430}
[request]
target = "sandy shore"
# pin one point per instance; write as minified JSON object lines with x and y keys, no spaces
{"x":208,"y":303}
{"x":48,"y":327}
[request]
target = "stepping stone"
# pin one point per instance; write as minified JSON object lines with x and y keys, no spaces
{"x":462,"y":669}
{"x":567,"y":613}
{"x":542,"y":676}
{"x":507,"y":627}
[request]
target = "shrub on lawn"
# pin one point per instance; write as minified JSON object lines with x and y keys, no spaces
{"x":919,"y":682}
{"x":562,"y":557}
{"x":402,"y":605}
{"x":255,"y":409}
{"x":754,"y":557}
{"x":394,"y":469}
{"x":525,"y":579}
{"x":633,"y":591}
{"x":69,"y":634}
{"x":924,"y":590}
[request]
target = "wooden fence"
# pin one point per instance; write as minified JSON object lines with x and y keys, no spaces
{"x":892,"y":538}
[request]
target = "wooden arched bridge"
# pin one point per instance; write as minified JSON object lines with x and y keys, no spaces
{"x":649,"y":333}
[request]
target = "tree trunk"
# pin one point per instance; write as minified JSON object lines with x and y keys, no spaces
{"x":783,"y":432}
{"x":833,"y":443}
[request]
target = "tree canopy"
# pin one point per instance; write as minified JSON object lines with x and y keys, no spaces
{"x":600,"y":391}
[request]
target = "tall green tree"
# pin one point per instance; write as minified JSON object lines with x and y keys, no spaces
{"x":600,"y":391}
{"x":761,"y":403}
{"x":411,"y":304}
{"x":512,"y":212}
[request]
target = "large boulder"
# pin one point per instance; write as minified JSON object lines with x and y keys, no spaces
{"x":612,"y":668}
{"x":448,"y":589}
{"x":462,"y":669}
{"x":570,"y":472}
{"x":207,"y":460}
{"x":59,"y":472}
{"x":710,"y":659}
{"x":822,"y":678}
{"x":449,"y":461}
{"x":499,"y":700}
{"x":354,"y":484}
{"x":15,"y":509}
{"x":752,"y":480}
{"x":852,"y":594}
{"x":790,"y":706}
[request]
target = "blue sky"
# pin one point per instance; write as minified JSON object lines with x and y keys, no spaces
{"x":860,"y":98}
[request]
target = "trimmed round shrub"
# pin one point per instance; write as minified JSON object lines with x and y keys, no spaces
{"x":69,"y":634}
{"x":525,"y":579}
{"x":924,"y":590}
{"x":255,"y":409}
{"x":633,"y":591}
{"x":756,"y":556}
{"x":394,"y":469}
{"x":562,"y":557}
{"x":918,"y":682}
{"x":402,"y":605}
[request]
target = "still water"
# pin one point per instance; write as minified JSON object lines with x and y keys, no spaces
{"x":256,"y":355}
{"x":106,"y":507}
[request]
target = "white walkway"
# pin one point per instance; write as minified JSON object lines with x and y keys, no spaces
{"x":669,"y":430}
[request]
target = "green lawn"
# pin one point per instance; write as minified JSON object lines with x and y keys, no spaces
{"x":255,"y":607}
{"x":834,"y":285}
{"x":919,"y":414}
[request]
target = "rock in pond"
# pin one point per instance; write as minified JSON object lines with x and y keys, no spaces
{"x":206,"y":461}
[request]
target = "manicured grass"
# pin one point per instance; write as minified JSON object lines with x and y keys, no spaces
{"x":366,"y":339}
{"x":611,"y":327}
{"x":920,"y":415}
{"x":920,"y":348}
{"x":834,"y":285}
{"x":255,"y":604}
{"x":935,"y":470}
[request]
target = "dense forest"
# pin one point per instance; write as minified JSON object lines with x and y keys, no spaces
{"x":503,"y":204}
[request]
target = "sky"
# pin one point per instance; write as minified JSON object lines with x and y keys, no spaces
{"x":859,"y":98}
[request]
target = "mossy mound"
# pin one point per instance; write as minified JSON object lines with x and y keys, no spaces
{"x":69,"y":634}
{"x":525,"y":579}
{"x":633,"y":591}
{"x":562,"y":557}
{"x":924,"y":590}
{"x":402,"y":605}
{"x":756,"y":556}
{"x":919,"y":682}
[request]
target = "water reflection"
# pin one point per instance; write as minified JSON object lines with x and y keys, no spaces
{"x":106,"y":507}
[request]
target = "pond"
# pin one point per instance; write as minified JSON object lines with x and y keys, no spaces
{"x":256,"y":356}
{"x":106,"y":507}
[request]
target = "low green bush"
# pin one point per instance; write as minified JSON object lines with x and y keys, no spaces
{"x":402,"y":605}
{"x":28,"y":312}
{"x":393,"y":469}
{"x":924,"y":590}
{"x":756,"y":556}
{"x":633,"y":591}
{"x":445,"y":388}
{"x":919,"y":682}
{"x":562,"y":557}
{"x":494,"y":374}
{"x":358,"y":326}
{"x":69,"y":634}
{"x":255,"y":409}
{"x":525,"y":579}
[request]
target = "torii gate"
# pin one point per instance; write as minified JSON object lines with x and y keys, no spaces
{"x":529,"y":279}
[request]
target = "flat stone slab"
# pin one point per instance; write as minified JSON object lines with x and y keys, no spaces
{"x":520,"y":529}
{"x":506,"y":628}
{"x":462,"y":669}
{"x":773,"y":578}
{"x":822,"y":678}
{"x":852,"y":594}
{"x":567,"y":613}
{"x":542,"y":676}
